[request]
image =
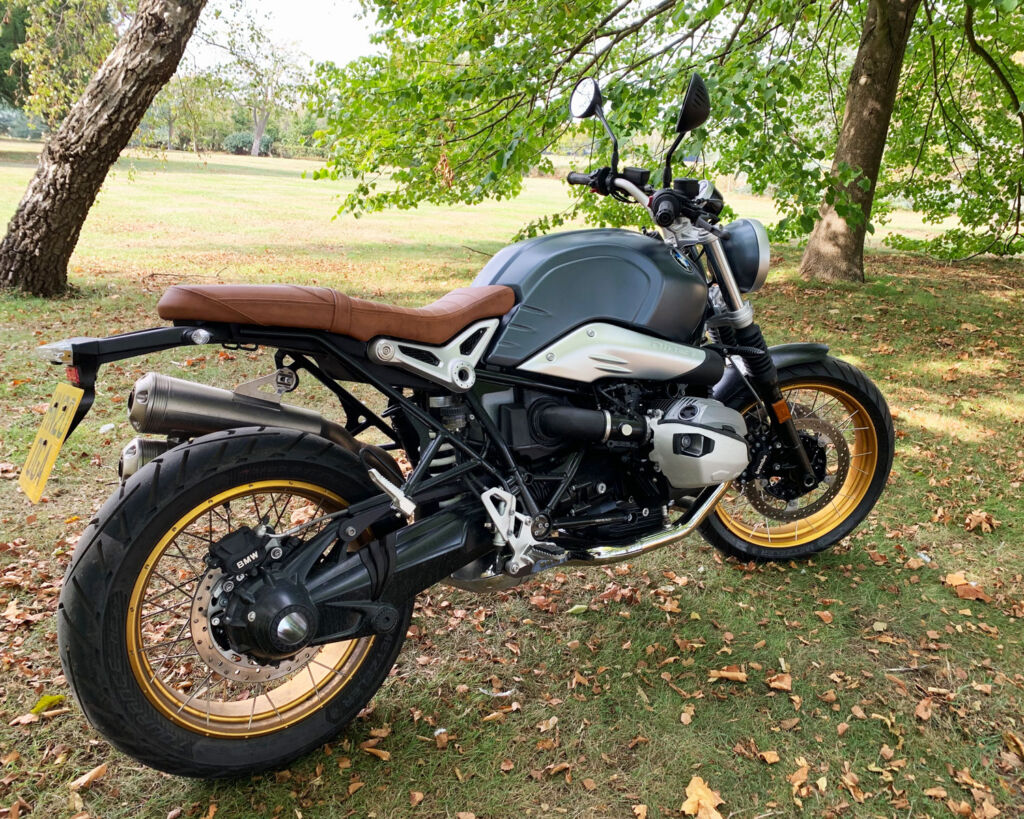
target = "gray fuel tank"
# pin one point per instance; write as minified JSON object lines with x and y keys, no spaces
{"x":564,"y":280}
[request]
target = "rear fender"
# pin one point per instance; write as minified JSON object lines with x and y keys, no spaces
{"x":783,"y":355}
{"x":83,"y":356}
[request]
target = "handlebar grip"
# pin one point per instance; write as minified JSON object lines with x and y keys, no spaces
{"x":579,"y":178}
{"x":666,"y":213}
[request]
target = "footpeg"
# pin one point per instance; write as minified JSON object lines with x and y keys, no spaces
{"x":401,"y":502}
{"x":515,"y":529}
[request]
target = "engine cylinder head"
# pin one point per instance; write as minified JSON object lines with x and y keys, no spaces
{"x":699,"y":442}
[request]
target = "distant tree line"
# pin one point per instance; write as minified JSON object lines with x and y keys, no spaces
{"x":249,"y":101}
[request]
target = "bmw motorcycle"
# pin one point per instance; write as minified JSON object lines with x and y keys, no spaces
{"x":594,"y":395}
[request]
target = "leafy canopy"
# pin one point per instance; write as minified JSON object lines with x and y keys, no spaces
{"x":466,"y":97}
{"x":65,"y":41}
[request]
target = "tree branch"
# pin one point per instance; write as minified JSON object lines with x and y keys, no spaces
{"x":1003,"y":80}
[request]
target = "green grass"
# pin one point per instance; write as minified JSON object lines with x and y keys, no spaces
{"x":942,"y":342}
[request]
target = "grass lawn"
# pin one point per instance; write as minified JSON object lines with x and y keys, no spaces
{"x":871,"y":688}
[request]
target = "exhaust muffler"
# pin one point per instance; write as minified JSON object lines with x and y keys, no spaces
{"x":137,"y":453}
{"x":162,"y":405}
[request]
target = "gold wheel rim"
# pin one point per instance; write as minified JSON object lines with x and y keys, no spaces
{"x":851,"y":417}
{"x":161,"y":649}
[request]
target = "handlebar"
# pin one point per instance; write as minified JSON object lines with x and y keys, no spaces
{"x":665,"y":206}
{"x":666,"y":212}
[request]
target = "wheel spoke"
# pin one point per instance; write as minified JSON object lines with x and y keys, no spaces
{"x":195,"y":691}
{"x":199,"y":681}
{"x":166,"y":609}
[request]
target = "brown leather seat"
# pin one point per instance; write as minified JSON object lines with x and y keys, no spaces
{"x":320,"y":308}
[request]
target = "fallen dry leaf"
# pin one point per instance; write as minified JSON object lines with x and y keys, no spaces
{"x":1014,"y":743}
{"x":826,"y":616}
{"x":547,"y":724}
{"x":769,"y":757}
{"x":799,"y":776}
{"x":640,"y":811}
{"x":507,"y":765}
{"x":969,"y":591}
{"x":415,"y":797}
{"x":384,"y":756}
{"x":980,"y":519}
{"x":730,"y":672}
{"x":924,"y":709}
{"x":86,"y":780}
{"x":780,"y":682}
{"x":701,"y":801}
{"x":589,"y":784}
{"x":935,"y":793}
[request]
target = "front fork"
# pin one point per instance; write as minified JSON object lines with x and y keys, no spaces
{"x":733,"y":326}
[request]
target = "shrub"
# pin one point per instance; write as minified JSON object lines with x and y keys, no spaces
{"x":14,"y":123}
{"x":240,"y":142}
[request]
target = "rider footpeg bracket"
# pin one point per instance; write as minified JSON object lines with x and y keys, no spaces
{"x":515,"y":529}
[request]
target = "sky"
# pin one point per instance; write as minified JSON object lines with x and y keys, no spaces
{"x":323,"y":29}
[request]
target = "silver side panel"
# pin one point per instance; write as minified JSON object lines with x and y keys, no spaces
{"x":601,"y":350}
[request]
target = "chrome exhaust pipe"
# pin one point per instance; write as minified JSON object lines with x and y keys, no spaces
{"x":137,"y":453}
{"x":488,"y":575}
{"x":162,"y":405}
{"x":599,"y":555}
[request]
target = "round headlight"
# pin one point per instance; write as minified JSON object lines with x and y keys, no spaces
{"x":748,"y":252}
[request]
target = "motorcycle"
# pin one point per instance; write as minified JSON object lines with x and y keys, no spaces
{"x":592,"y":396}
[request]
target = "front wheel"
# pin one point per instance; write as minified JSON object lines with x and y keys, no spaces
{"x":845,"y":427}
{"x":141,"y":629}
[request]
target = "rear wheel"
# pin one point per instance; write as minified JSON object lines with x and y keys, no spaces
{"x":141,"y":621}
{"x":846,"y":428}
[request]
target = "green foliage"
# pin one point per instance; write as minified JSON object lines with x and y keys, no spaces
{"x":65,"y":42}
{"x":240,"y":142}
{"x":13,"y":26}
{"x":193,"y":111}
{"x":956,"y":146}
{"x":466,"y":98}
{"x":262,"y":76}
{"x":15,"y":123}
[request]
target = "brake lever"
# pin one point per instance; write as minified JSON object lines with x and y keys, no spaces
{"x":704,"y":224}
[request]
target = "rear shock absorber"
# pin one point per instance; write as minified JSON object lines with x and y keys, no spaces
{"x":451,"y":411}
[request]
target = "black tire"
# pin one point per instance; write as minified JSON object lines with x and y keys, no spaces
{"x":832,"y":514}
{"x":107,"y":624}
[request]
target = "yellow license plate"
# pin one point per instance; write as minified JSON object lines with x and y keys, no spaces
{"x":49,"y":439}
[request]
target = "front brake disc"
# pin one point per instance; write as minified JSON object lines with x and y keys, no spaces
{"x":767,"y":504}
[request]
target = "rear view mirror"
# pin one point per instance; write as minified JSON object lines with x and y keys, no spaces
{"x":586,"y":102}
{"x":585,"y":99}
{"x":696,"y":106}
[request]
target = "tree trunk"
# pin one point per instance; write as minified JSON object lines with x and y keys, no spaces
{"x":835,"y":250}
{"x":259,"y":121}
{"x":72,"y":166}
